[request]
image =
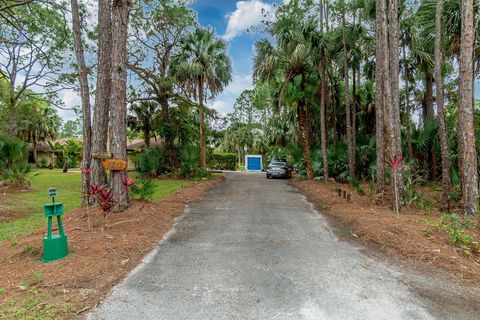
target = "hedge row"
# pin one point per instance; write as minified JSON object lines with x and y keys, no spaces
{"x":223,"y":161}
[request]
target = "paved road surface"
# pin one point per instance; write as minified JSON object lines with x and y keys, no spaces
{"x":255,"y":249}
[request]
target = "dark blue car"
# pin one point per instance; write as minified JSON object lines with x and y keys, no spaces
{"x":278,"y":168}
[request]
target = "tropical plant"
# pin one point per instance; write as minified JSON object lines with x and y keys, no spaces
{"x":68,"y":154}
{"x":37,"y":122}
{"x":14,"y":165}
{"x":143,"y":189}
{"x":142,"y":118}
{"x":203,"y":69}
{"x":190,"y":161}
{"x":150,"y":162}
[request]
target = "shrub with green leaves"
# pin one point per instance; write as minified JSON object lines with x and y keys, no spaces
{"x":14,"y":161}
{"x":143,"y":189}
{"x":355,"y":183}
{"x":223,"y":161}
{"x":150,"y":162}
{"x":456,"y":227}
{"x":190,"y":163}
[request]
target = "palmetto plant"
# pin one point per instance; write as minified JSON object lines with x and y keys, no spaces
{"x":290,"y":65}
{"x":38,"y":122}
{"x":142,"y":118}
{"x":203,"y":69}
{"x":13,"y":161}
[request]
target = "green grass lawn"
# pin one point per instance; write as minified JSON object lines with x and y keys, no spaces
{"x":69,"y":192}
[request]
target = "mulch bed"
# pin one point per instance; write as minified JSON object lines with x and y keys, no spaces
{"x":412,"y":236}
{"x":100,"y":257}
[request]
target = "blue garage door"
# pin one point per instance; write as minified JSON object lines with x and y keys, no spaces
{"x":254,"y":163}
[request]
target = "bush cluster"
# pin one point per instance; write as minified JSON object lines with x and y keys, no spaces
{"x":143,"y":189}
{"x":14,"y":161}
{"x":223,"y":161}
{"x":150,"y":162}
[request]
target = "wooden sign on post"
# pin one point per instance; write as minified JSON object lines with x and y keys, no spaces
{"x":114,"y":164}
{"x":102,"y":155}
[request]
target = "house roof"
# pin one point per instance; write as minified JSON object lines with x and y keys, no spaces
{"x":43,"y":146}
{"x":140,"y":143}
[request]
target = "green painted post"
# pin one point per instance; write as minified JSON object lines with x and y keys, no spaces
{"x":55,"y":246}
{"x":49,"y":228}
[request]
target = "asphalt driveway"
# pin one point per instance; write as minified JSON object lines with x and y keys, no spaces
{"x":256,"y":249}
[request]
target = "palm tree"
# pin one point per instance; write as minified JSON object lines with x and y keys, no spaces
{"x":142,"y":119}
{"x":291,"y":64}
{"x":204,"y":69}
{"x":38,"y":123}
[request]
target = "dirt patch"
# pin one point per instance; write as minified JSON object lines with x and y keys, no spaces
{"x":7,"y":214}
{"x":99,"y":258}
{"x":412,"y":236}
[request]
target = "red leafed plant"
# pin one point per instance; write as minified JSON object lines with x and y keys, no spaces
{"x":94,"y":188}
{"x":128,"y":182}
{"x":85,"y":170}
{"x":104,"y":196}
{"x":395,"y":163}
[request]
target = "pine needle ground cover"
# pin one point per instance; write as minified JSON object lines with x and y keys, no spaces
{"x":99,"y":257}
{"x":427,"y":238}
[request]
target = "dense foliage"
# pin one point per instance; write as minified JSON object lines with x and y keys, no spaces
{"x":13,"y":161}
{"x":223,"y":161}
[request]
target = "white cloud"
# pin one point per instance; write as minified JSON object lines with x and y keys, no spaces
{"x":71,"y":100}
{"x":239,"y":83}
{"x":248,"y":14}
{"x":222,"y":106}
{"x":225,"y":101}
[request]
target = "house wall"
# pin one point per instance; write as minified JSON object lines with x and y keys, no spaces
{"x":43,"y":155}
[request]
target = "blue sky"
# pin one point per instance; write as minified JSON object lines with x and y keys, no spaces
{"x":231,"y":20}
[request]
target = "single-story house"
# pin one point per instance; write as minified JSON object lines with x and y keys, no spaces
{"x":45,"y":152}
{"x":137,"y":145}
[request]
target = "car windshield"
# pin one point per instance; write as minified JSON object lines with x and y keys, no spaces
{"x":278,"y":164}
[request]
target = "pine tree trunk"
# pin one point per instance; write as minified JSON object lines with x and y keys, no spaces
{"x":379,"y":94}
{"x":430,"y":116}
{"x":442,"y":128}
{"x":85,"y":97}
{"x":169,"y":138}
{"x":466,"y":134}
{"x":348,"y":120}
{"x":323,"y":120}
{"x":407,"y":105}
{"x":302,"y":126}
{"x":12,"y":105}
{"x":102,"y":93}
{"x":323,"y":98}
{"x":355,"y":104}
{"x":203,"y":159}
{"x":12,"y":120}
{"x":395,"y":138}
{"x":118,"y":101}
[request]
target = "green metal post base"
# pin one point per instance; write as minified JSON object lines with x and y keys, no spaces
{"x":54,"y":248}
